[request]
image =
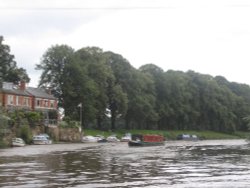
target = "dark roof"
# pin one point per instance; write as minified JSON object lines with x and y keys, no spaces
{"x":40,"y":93}
{"x":15,"y":92}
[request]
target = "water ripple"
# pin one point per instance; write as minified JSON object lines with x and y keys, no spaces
{"x":175,"y":165}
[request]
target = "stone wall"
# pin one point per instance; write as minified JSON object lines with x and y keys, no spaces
{"x":57,"y":134}
{"x":7,"y":138}
{"x":69,"y":134}
{"x":64,"y":134}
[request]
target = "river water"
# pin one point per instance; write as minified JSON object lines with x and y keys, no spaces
{"x":211,"y":163}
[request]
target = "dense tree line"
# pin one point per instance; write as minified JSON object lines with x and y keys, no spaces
{"x":144,"y":98}
{"x":116,"y":95}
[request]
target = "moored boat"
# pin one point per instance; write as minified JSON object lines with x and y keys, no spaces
{"x":41,"y":139}
{"x":18,"y":142}
{"x":89,"y":139}
{"x":146,"y":140}
{"x":187,"y":137}
{"x":126,"y":138}
{"x":112,"y":138}
{"x":93,"y":139}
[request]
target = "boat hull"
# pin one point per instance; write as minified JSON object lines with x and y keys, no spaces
{"x":143,"y":144}
{"x":41,"y":139}
{"x":18,"y":142}
{"x":42,"y":142}
{"x":146,"y":140}
{"x":17,"y":145}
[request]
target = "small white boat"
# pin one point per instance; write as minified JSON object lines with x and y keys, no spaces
{"x":18,"y":142}
{"x":113,"y":138}
{"x":97,"y":138}
{"x":126,"y":138}
{"x":89,"y":139}
{"x":41,"y":139}
{"x":187,"y":137}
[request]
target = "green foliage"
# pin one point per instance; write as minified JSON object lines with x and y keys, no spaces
{"x":4,"y":121}
{"x":69,"y":124}
{"x":144,"y":98}
{"x":147,"y":98}
{"x":9,"y":72}
{"x":247,"y":120}
{"x":5,"y":124}
{"x":34,"y":118}
{"x":3,"y":144}
{"x":25,"y":133}
{"x":53,"y":114}
{"x":52,"y":66}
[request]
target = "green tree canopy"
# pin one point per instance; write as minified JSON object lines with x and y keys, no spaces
{"x":144,"y":98}
{"x":52,"y":66}
{"x":9,"y":72}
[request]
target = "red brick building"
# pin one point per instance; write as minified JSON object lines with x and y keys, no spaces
{"x":14,"y":97}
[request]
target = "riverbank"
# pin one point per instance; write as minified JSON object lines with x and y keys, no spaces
{"x":171,"y":135}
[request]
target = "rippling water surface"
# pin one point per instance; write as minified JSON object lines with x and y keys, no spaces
{"x":214,"y":163}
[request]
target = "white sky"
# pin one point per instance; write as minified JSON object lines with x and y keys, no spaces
{"x":207,"y":36}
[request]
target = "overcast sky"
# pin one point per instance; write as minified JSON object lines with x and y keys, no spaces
{"x":207,"y":36}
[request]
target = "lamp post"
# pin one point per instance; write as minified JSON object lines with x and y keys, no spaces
{"x":80,"y":106}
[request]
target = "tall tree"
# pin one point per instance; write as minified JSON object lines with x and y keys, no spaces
{"x":52,"y":66}
{"x":8,"y":68}
{"x":144,"y":102}
{"x":79,"y":88}
{"x":94,"y":60}
{"x":116,"y":90}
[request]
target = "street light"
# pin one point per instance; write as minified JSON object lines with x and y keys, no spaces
{"x":80,"y":106}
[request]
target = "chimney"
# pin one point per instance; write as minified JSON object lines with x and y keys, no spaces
{"x":22,"y":85}
{"x":48,"y":90}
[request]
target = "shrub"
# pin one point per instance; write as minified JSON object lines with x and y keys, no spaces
{"x":33,"y":118}
{"x":2,"y":144}
{"x":25,"y":133}
{"x":69,"y":124}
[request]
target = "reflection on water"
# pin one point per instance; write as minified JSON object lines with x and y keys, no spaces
{"x":177,"y":164}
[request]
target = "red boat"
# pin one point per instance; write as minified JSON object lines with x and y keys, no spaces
{"x":146,"y":140}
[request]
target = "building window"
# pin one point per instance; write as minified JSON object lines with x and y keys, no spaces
{"x":26,"y":101}
{"x":10,"y":100}
{"x":51,"y":104}
{"x":18,"y":100}
{"x":46,"y":103}
{"x":38,"y":102}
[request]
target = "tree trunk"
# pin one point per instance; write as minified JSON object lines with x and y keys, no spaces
{"x":113,"y":118}
{"x":99,"y":122}
{"x":127,"y":127}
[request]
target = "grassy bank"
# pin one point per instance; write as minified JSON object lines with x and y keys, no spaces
{"x":171,"y":135}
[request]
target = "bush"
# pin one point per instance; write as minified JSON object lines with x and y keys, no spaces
{"x":25,"y":133}
{"x":34,"y":118}
{"x":69,"y":124}
{"x":4,"y":121}
{"x":3,"y":144}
